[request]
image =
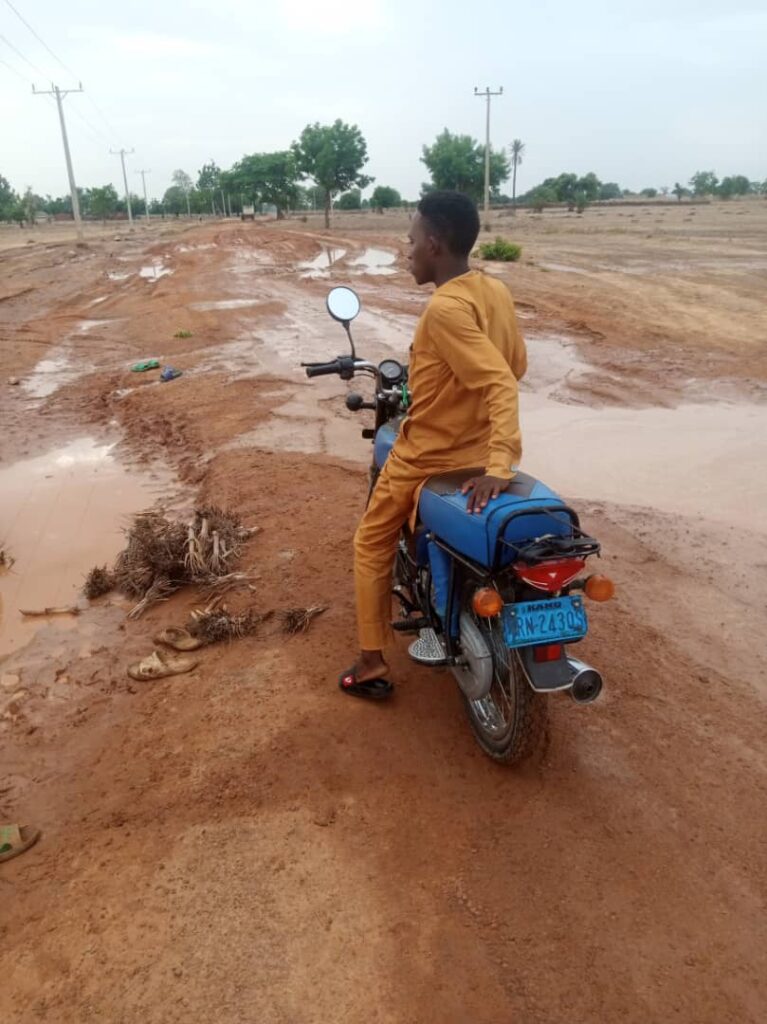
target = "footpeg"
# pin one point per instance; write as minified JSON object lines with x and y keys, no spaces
{"x":410,"y":625}
{"x":428,"y":649}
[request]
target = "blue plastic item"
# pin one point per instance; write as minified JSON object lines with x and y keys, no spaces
{"x":439,"y":561}
{"x":442,"y":510}
{"x":169,"y":373}
{"x":385,"y":438}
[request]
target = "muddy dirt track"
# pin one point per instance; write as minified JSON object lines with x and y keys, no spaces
{"x":245,"y":845}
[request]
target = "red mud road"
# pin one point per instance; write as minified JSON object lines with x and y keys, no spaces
{"x":244,"y":845}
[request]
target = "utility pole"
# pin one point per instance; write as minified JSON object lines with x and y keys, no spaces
{"x":143,"y":174}
{"x":60,"y":95}
{"x":487,"y":94}
{"x":122,"y":153}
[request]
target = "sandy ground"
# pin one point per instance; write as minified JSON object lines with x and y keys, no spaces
{"x":244,"y":844}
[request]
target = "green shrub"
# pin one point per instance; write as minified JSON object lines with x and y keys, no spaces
{"x":508,"y":252}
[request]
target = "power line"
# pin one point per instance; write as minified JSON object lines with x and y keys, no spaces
{"x":18,"y":53}
{"x":17,"y":73}
{"x":97,"y":134}
{"x":42,"y":42}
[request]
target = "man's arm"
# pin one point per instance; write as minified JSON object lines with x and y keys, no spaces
{"x":479,"y":365}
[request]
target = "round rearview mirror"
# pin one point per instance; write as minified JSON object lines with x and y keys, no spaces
{"x":343,"y":304}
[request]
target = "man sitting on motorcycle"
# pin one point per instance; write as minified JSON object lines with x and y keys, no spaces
{"x":465,"y":361}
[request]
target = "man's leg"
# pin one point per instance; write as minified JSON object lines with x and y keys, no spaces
{"x":375,"y":545}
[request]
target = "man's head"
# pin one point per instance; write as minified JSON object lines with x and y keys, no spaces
{"x":442,"y":234}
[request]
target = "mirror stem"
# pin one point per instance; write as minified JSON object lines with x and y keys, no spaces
{"x":347,"y":328}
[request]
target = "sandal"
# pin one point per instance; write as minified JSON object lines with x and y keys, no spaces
{"x":15,"y":839}
{"x":160,"y":664}
{"x":179,"y":639}
{"x":370,"y":689}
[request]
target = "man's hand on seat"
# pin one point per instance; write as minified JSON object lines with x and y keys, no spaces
{"x":483,"y":489}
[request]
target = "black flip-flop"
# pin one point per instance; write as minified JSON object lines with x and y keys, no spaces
{"x":370,"y":689}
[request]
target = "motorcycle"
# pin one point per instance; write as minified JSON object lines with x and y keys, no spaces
{"x":497,"y":597}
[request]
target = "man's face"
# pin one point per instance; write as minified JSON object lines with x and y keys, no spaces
{"x":423,"y":250}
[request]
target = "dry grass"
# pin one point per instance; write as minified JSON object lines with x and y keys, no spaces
{"x":98,"y":582}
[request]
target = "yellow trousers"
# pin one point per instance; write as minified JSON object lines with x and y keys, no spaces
{"x":375,"y":545}
{"x":391,"y":505}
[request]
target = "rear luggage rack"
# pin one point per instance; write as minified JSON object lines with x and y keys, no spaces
{"x":538,"y":549}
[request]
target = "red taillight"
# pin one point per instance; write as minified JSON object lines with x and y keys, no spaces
{"x":549,"y":652}
{"x":550,"y":576}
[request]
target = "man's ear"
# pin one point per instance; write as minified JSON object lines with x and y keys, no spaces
{"x":434,"y":245}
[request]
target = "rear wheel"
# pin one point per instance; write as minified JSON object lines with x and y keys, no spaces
{"x":510,"y":722}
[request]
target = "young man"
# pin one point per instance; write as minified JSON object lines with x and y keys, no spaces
{"x":465,"y":361}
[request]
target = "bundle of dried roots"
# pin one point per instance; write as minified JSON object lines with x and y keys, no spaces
{"x":298,"y":620}
{"x":213,"y":624}
{"x":162,"y":555}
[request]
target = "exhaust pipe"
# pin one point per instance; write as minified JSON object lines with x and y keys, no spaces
{"x":587,"y":682}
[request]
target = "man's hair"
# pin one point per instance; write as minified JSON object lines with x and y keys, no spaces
{"x":453,"y":217}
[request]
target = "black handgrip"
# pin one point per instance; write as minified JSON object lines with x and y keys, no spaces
{"x":323,"y":369}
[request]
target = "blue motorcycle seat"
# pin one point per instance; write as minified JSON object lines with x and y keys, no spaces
{"x":442,"y":509}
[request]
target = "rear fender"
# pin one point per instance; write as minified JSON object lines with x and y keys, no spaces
{"x":546,"y":676}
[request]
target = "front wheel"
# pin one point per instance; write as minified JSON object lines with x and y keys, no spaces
{"x":509,"y":723}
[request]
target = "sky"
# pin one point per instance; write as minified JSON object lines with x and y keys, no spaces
{"x":643,"y":93}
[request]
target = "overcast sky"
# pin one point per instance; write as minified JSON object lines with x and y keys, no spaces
{"x":642,"y":93}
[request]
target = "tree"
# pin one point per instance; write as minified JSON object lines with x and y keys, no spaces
{"x":738,"y":185}
{"x":267,"y":178}
{"x":183,"y":182}
{"x":209,"y":182}
{"x":680,"y":191}
{"x":704,"y":183}
{"x":175,"y":200}
{"x":103,"y":201}
{"x":542,"y":196}
{"x":458,"y":162}
{"x":610,"y":190}
{"x":333,"y":157}
{"x":517,"y":154}
{"x":8,"y":199}
{"x":384,"y":198}
{"x":649,"y":193}
{"x":350,"y":200}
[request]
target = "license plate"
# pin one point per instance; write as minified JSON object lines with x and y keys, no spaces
{"x":544,"y":622}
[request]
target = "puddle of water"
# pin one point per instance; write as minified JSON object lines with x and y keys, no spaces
{"x":53,"y":372}
{"x":375,"y":261}
{"x":322,"y":264}
{"x":88,"y":325}
{"x":62,"y":513}
{"x":101,"y":298}
{"x":563,"y":268}
{"x":553,"y":361}
{"x":196,"y":248}
{"x":114,"y":275}
{"x":204,"y":307}
{"x":154,"y":271}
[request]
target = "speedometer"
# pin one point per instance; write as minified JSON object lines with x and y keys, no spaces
{"x":391,"y":371}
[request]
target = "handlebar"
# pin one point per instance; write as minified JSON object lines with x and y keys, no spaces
{"x":322,"y":369}
{"x":343,"y":365}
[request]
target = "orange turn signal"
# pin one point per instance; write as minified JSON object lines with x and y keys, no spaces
{"x":599,"y":588}
{"x":487,"y":603}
